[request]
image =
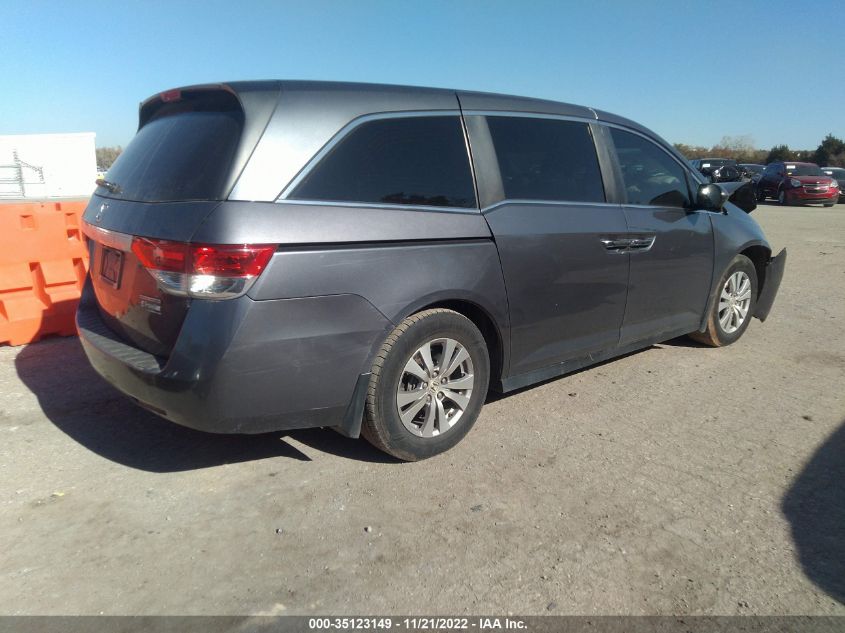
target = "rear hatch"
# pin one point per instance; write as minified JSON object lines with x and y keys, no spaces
{"x":190,"y":146}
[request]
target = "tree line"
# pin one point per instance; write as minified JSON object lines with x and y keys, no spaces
{"x":829,"y":153}
{"x":107,"y":155}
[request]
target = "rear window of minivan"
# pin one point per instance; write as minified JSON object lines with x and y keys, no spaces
{"x":183,"y":152}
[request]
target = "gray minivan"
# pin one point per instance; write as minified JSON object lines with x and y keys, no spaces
{"x":286,"y":254}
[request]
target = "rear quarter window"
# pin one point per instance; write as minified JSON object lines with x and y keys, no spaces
{"x":416,"y":160}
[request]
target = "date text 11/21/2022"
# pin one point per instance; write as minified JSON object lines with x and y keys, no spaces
{"x":416,"y":623}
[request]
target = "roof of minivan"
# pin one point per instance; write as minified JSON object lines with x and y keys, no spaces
{"x":399,"y":97}
{"x":476,"y":100}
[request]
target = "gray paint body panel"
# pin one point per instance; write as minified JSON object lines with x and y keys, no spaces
{"x":397,"y":280}
{"x":566,"y":290}
{"x":733,"y":232}
{"x":669,"y":284}
{"x":332,"y":223}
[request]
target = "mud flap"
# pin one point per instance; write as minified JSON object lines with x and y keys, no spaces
{"x":354,"y":416}
{"x":771,"y":283}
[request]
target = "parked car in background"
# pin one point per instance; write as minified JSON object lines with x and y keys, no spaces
{"x":751,"y":171}
{"x":838,"y":174}
{"x":718,"y":169}
{"x":288,"y":254}
{"x":794,"y":183}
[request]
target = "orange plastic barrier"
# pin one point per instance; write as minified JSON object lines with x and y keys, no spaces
{"x":43,"y":263}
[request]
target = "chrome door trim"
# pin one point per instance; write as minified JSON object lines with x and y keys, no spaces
{"x":379,"y":205}
{"x":573,"y":203}
{"x":528,"y":115}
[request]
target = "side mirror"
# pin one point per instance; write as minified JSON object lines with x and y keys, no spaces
{"x":711,"y":197}
{"x":741,"y":194}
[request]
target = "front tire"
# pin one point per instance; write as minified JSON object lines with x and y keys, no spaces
{"x":429,"y":382}
{"x":782,"y":198}
{"x":732,"y":305}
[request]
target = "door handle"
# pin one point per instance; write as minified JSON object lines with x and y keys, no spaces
{"x":628,"y":244}
{"x":616,"y":245}
{"x":641,"y":243}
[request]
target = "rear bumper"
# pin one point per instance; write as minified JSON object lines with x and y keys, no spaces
{"x":244,"y":366}
{"x":771,"y":284}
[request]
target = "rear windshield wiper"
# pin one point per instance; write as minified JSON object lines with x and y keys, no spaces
{"x":113,"y":187}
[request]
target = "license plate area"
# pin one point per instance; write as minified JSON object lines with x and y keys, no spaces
{"x":111,"y":266}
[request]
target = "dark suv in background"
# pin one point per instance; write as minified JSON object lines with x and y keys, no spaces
{"x":279,"y":255}
{"x":718,"y":169}
{"x":751,"y":171}
{"x":838,"y":174}
{"x":795,"y":183}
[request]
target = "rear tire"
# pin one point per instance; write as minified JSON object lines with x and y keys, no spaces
{"x":731,"y":306}
{"x":829,"y":205}
{"x":414,"y":408}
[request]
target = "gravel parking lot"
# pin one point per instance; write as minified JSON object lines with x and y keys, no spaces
{"x":679,"y":479}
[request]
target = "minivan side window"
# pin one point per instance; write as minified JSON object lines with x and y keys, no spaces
{"x":546,"y":159}
{"x":419,"y":160}
{"x":651,"y":175}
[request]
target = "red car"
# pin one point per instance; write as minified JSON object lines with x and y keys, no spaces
{"x":795,"y":183}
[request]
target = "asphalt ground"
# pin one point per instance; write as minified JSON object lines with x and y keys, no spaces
{"x":675,"y":480}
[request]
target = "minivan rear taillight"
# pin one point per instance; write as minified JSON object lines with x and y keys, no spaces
{"x":203,"y":271}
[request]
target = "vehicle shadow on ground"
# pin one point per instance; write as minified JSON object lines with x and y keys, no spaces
{"x":683,"y":341}
{"x":94,"y":414}
{"x":815,"y":508}
{"x":329,"y":441}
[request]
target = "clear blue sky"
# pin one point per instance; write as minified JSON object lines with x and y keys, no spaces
{"x":691,"y":71}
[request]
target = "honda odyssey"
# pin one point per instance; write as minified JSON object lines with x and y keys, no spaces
{"x":286,"y":254}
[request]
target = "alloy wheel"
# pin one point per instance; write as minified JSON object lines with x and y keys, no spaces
{"x":734,"y":302}
{"x":435,"y":387}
